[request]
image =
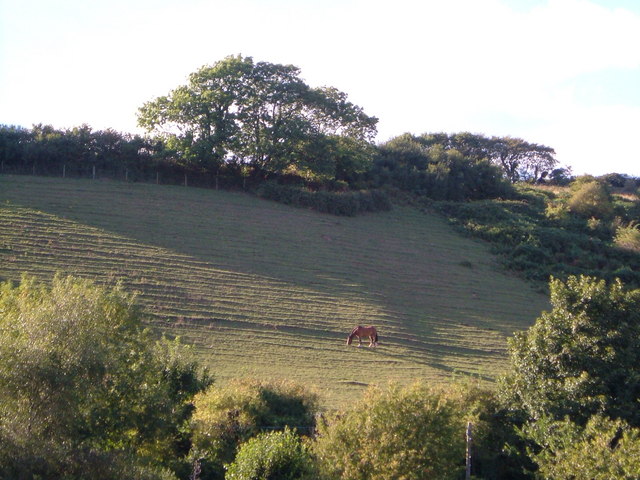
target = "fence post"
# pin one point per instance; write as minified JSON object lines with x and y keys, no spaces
{"x":157,"y":178}
{"x":467,"y":474}
{"x":185,"y":180}
{"x":126,"y":174}
{"x":64,"y":170}
{"x":94,"y":172}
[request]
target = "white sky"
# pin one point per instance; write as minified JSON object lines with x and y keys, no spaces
{"x":563,"y":73}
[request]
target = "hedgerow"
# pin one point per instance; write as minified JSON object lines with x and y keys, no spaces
{"x":349,"y":203}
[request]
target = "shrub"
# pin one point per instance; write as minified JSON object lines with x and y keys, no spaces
{"x":228,"y":416}
{"x":628,"y":237}
{"x":591,"y":199}
{"x":409,"y":433}
{"x":350,"y":203}
{"x":557,"y":211}
{"x":273,"y":456}
{"x":80,"y":378}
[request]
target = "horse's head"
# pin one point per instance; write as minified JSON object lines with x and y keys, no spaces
{"x":349,"y":339}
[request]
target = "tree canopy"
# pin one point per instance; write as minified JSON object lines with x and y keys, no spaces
{"x":518,"y":159}
{"x":261,"y":114}
{"x":582,"y":357}
{"x":603,"y":448}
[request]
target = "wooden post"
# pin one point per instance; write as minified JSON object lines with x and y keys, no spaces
{"x":467,"y":474}
{"x":64,"y":170}
{"x":94,"y":172}
{"x":34,"y":169}
{"x":126,"y":174}
{"x":157,"y":178}
{"x":185,"y":180}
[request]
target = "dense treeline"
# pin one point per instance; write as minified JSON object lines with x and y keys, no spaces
{"x":463,"y":166}
{"x":82,"y":152}
{"x":239,"y":123}
{"x":86,"y":392}
{"x":429,"y":166}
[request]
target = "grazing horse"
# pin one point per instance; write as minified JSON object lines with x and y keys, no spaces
{"x":361,"y":332}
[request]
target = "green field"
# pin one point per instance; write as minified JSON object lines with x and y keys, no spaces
{"x":270,"y":291}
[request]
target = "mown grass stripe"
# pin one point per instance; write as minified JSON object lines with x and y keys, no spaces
{"x":260,"y":288}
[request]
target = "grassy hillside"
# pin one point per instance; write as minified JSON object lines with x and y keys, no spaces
{"x":271,"y":291}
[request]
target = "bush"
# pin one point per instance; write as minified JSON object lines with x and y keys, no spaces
{"x":628,"y":238}
{"x":350,"y":203}
{"x":228,"y":416}
{"x":410,"y":433}
{"x":591,"y":199}
{"x":273,"y":456}
{"x":79,"y":377}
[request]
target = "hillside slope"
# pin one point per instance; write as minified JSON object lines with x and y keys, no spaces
{"x":270,"y":291}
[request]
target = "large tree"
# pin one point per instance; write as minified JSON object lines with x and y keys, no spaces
{"x":521,"y":160}
{"x":582,"y":357}
{"x":199,"y":120}
{"x":262,"y":114}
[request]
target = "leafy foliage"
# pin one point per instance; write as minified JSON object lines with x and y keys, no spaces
{"x":260,"y":113}
{"x":628,"y":237}
{"x":431,"y":157}
{"x":603,"y":448}
{"x":539,"y":236}
{"x":79,"y":378}
{"x":228,"y":416}
{"x":582,"y":358}
{"x":44,"y":150}
{"x":591,"y":199}
{"x":411,"y":433}
{"x":273,"y":456}
{"x":337,"y":203}
{"x":433,"y":170}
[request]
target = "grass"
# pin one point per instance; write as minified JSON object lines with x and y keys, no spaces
{"x":265,"y":290}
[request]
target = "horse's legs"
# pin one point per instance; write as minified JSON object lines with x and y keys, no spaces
{"x":359,"y":341}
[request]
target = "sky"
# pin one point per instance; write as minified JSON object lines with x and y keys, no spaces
{"x":561,"y":73}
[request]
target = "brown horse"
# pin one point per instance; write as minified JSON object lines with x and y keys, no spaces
{"x":362,"y":332}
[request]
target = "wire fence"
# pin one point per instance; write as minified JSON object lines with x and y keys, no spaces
{"x":159,"y":175}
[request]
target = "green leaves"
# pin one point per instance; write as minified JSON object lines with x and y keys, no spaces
{"x":228,"y":416}
{"x":273,"y":456}
{"x":78,"y":374}
{"x":409,"y":433}
{"x":602,"y":449}
{"x":582,"y":357}
{"x":261,"y":113}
